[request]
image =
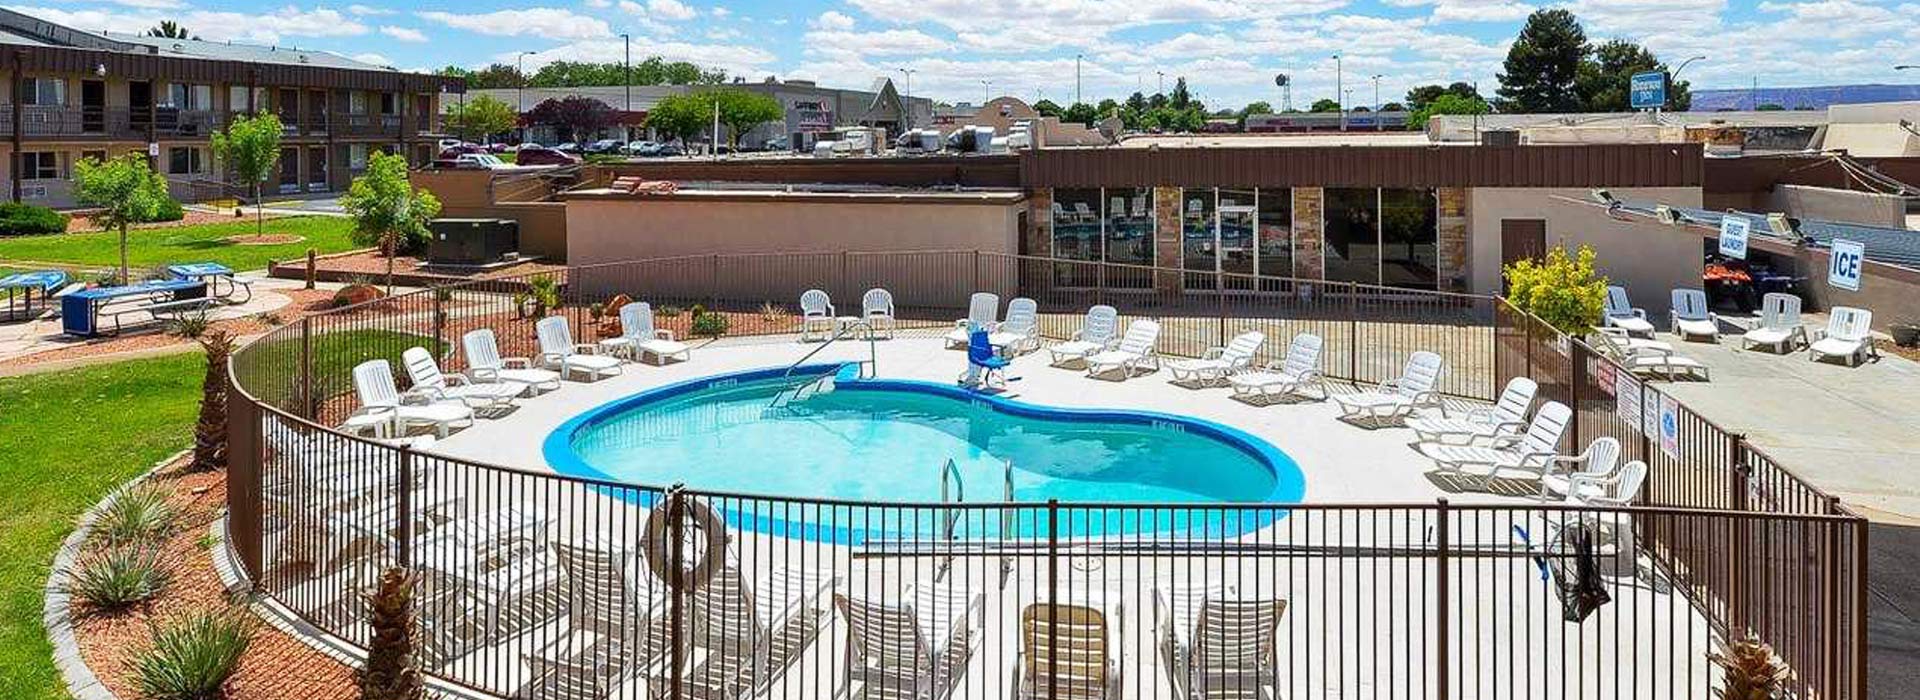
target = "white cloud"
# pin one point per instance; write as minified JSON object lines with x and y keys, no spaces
{"x":150,"y":4}
{"x":369,"y":10}
{"x":671,"y":10}
{"x":544,"y":22}
{"x":261,"y":28}
{"x":832,"y":21}
{"x":891,"y":42}
{"x":733,"y":58}
{"x":598,"y":4}
{"x":373,"y":58}
{"x":721,"y":12}
{"x":405,"y":34}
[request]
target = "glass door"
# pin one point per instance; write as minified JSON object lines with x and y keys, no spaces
{"x":1234,"y":243}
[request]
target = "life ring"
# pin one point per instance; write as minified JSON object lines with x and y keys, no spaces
{"x":659,"y":540}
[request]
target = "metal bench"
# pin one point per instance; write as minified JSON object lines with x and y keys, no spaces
{"x":161,"y":310}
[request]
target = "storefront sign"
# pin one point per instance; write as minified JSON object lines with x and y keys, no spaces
{"x":811,"y":115}
{"x":1733,"y":236}
{"x":1647,"y":90}
{"x":1843,"y":269}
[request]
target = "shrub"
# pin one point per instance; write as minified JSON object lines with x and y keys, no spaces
{"x":116,"y":578}
{"x":668,"y":311}
{"x":190,"y":325}
{"x":192,"y":656}
{"x":772,"y":313}
{"x":708,"y":323}
{"x":19,"y":219}
{"x":140,"y":514}
{"x":165,"y":209}
{"x":1562,"y":290}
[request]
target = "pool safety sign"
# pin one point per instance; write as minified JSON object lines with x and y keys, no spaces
{"x":1665,"y":422}
{"x":1733,"y":236}
{"x":1648,"y":90}
{"x":1843,"y":267}
{"x":1626,"y":398}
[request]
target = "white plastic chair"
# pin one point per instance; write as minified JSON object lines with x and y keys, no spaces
{"x":1508,"y":415}
{"x":1068,"y":651}
{"x":915,"y":647}
{"x":373,"y":384}
{"x":1135,"y":350}
{"x":1690,"y":317}
{"x":816,"y":315}
{"x":1779,"y":325}
{"x":1020,"y":332}
{"x":1216,"y":363}
{"x":1399,"y":397}
{"x":876,"y":308}
{"x":1095,"y":334}
{"x":1300,"y":368}
{"x":1619,"y":488}
{"x":981,"y":310}
{"x":558,"y":351}
{"x":1622,"y":314}
{"x":1532,"y":451}
{"x":1597,"y":461}
{"x":484,"y":363}
{"x":1218,"y":644}
{"x":639,"y":338}
{"x":430,"y":384}
{"x":1849,"y":334}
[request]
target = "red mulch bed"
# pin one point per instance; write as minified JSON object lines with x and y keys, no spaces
{"x":275,"y":666}
{"x":82,"y":223}
{"x":1885,"y":346}
{"x":304,"y":301}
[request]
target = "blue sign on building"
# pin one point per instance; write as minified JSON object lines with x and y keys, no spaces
{"x":1647,"y":90}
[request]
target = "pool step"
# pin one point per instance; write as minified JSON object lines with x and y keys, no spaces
{"x":824,"y":384}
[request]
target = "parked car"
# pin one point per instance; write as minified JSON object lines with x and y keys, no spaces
{"x":642,"y":148}
{"x":498,"y":148}
{"x":605,"y":146}
{"x":568,"y":147}
{"x":450,"y":143}
{"x":526,"y":144}
{"x":669,"y":149}
{"x":541,"y":155}
{"x":458,"y":149}
{"x":473,"y":161}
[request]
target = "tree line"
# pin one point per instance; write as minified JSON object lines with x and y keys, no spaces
{"x":651,"y":71}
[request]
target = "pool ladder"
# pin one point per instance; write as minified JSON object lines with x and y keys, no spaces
{"x":953,"y":490}
{"x":824,"y":383}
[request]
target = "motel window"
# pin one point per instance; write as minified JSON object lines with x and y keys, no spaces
{"x":189,"y":96}
{"x":237,"y":98}
{"x":184,"y":160}
{"x":356,"y":156}
{"x":40,"y":165}
{"x":389,"y":103}
{"x":1129,"y":225}
{"x":1409,"y":239}
{"x":45,"y":91}
{"x":356,"y":102}
{"x":1276,"y":232}
{"x":1076,"y":224}
{"x":1353,"y":235}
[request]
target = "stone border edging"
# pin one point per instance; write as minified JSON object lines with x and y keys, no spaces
{"x":56,"y":614}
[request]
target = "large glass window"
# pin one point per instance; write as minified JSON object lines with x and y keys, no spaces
{"x":1409,"y":239}
{"x":1076,"y":224}
{"x":1276,"y":232}
{"x":1130,"y":225}
{"x":1235,"y":246}
{"x":45,"y":91}
{"x":189,"y":96}
{"x":1196,"y":236}
{"x":1353,"y":235}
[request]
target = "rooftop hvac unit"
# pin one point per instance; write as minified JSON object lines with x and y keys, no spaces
{"x":472,"y":242}
{"x":1500,"y":137}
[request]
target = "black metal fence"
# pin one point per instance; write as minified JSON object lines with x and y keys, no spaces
{"x":540,"y":585}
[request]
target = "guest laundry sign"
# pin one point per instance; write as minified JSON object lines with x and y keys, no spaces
{"x":1733,"y":237}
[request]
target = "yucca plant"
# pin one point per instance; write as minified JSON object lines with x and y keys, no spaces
{"x":116,"y":578}
{"x":192,"y":656}
{"x":392,"y":671}
{"x":1751,"y":671}
{"x":191,"y":325}
{"x":210,"y":432}
{"x":140,"y":514}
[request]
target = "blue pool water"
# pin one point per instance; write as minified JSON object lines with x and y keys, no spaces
{"x":887,"y":441}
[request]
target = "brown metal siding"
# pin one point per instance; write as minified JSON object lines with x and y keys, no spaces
{"x":1611,"y":165}
{"x":970,"y":171}
{"x":163,"y":67}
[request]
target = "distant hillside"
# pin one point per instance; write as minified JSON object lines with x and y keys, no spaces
{"x":1800,"y":97}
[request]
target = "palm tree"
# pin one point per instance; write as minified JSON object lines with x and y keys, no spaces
{"x":169,"y":29}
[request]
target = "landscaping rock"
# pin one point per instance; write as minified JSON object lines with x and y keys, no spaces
{"x":356,"y":294}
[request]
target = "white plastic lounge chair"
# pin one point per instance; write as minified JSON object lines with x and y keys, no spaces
{"x":1084,"y":214}
{"x":1216,"y":363}
{"x":914,"y":648}
{"x":1622,"y":314}
{"x":1021,"y":331}
{"x":559,"y":352}
{"x":1848,"y":334}
{"x":609,"y":604}
{"x":1398,"y":398}
{"x":1300,"y":368}
{"x":1069,"y":649}
{"x":638,"y":338}
{"x":1779,"y":325}
{"x":1690,"y":318}
{"x":429,"y":384}
{"x":1507,"y":416}
{"x":981,"y":308}
{"x":876,"y":308}
{"x":1628,"y":340}
{"x":817,"y":319}
{"x":1217,"y":643}
{"x":1095,"y":334}
{"x":746,"y":627}
{"x":1652,"y":358}
{"x":484,"y":364}
{"x":1619,"y":488}
{"x":1135,"y":350}
{"x":1598,"y":461}
{"x":373,"y":383}
{"x":1532,"y":451}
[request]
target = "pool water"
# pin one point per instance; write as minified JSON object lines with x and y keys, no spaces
{"x":886,"y":441}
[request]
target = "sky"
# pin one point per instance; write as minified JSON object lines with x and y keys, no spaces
{"x":1229,"y":50}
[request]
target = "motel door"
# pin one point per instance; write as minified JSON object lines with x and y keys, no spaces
{"x":1233,"y":244}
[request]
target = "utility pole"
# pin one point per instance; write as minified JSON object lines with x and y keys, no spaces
{"x":1162,"y":90}
{"x":626,"y":81}
{"x":1076,"y":79}
{"x":907,"y":93}
{"x":989,"y":84}
{"x":1378,"y":123}
{"x":520,"y":95}
{"x":1338,"y":73}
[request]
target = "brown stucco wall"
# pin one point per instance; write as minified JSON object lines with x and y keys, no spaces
{"x":1650,"y":258}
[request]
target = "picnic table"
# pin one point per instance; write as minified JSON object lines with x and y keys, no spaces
{"x":215,"y":274}
{"x":80,"y":311}
{"x":23,"y":284}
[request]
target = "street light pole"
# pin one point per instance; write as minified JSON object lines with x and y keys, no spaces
{"x":989,"y":84}
{"x":1076,"y":79}
{"x":520,"y":95}
{"x":1162,"y":90}
{"x":1378,"y":123}
{"x":1338,"y":74}
{"x":626,"y":83}
{"x":908,"y":93}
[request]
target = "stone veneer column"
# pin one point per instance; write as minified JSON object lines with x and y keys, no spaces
{"x":1166,"y":239}
{"x":1455,"y":244}
{"x":1309,"y":233}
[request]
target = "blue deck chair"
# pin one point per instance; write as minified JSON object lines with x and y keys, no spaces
{"x":980,"y":354}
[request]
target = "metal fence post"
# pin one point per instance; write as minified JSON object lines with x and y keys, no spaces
{"x":1830,"y":602}
{"x":676,"y":629}
{"x":439,"y":323}
{"x":1353,"y":333}
{"x":1859,"y":616}
{"x":1577,"y":376}
{"x":246,"y":455}
{"x":1739,"y":541}
{"x":1443,"y":586}
{"x":1053,"y":596}
{"x":403,"y":507}
{"x":309,"y":405}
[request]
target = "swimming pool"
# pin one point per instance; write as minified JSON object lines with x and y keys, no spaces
{"x":889,"y":441}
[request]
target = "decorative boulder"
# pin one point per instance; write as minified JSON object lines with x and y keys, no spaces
{"x":356,"y":294}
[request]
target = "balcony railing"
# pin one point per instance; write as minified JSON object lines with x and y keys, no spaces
{"x":61,"y":121}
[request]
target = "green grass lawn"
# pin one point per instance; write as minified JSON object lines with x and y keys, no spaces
{"x":147,"y":248}
{"x":70,"y":437}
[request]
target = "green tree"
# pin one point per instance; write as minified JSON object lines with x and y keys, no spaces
{"x":1425,"y":94}
{"x":1770,"y":107}
{"x":680,"y":116}
{"x":1604,"y":80}
{"x":1446,"y":104}
{"x":578,"y":117}
{"x":498,"y":75}
{"x":480,"y":117}
{"x":169,"y":29}
{"x":1048,"y":108}
{"x":126,"y":191}
{"x":1324,"y":105}
{"x":1561,"y":289}
{"x":387,"y":211}
{"x":1080,"y":113}
{"x":1538,"y":75}
{"x":1181,"y":97}
{"x":741,"y":111}
{"x":250,"y":149}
